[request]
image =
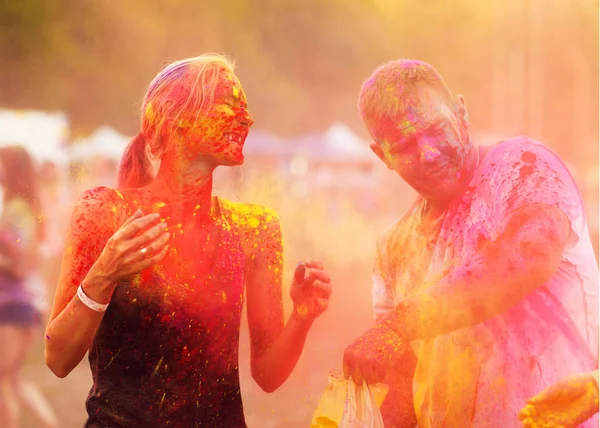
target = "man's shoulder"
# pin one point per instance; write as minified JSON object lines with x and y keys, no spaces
{"x":521,"y":147}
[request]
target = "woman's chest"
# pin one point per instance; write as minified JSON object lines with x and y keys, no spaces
{"x":201,"y":276}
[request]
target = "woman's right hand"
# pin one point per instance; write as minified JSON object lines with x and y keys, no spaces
{"x":139,"y":243}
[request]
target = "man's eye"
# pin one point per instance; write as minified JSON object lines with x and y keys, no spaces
{"x":436,"y":130}
{"x":397,"y":148}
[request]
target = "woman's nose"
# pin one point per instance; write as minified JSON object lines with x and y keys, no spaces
{"x":245,"y":119}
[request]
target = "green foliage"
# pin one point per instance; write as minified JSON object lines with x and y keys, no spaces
{"x":301,"y":61}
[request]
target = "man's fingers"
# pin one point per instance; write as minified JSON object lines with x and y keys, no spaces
{"x":346,"y":370}
{"x":368,"y":372}
{"x":349,"y":362}
{"x":379,"y":373}
{"x":357,"y":375}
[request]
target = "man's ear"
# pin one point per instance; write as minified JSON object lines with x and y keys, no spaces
{"x":379,"y":153}
{"x":462,"y":110}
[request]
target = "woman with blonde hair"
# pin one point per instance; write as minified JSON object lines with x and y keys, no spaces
{"x":156,"y":272}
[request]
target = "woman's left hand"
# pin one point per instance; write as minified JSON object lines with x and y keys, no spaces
{"x":310,"y":290}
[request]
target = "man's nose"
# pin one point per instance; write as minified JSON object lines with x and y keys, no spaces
{"x":429,"y":153}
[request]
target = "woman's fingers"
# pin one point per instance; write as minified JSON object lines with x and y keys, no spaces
{"x":152,"y":260}
{"x":148,"y":236}
{"x":136,"y":226}
{"x":314,"y":264}
{"x":135,"y":216}
{"x":313,"y":275}
{"x":324,"y":288}
{"x":299,"y":272}
{"x":150,"y":249}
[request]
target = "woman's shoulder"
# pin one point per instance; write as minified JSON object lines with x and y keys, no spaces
{"x":98,"y":197}
{"x":99,"y":204}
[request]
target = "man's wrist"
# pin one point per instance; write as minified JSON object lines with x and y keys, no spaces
{"x":397,"y":322}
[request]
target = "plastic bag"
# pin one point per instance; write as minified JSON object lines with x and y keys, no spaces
{"x":339,"y":402}
{"x":361,"y":410}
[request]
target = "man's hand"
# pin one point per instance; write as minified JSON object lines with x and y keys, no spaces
{"x":370,"y":356}
{"x":568,"y":403}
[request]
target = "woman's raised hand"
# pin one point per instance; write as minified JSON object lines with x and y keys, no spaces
{"x":138,"y":244}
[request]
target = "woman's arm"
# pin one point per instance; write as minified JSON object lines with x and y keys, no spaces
{"x":275,"y":348}
{"x":73,"y":325}
{"x":97,"y":259}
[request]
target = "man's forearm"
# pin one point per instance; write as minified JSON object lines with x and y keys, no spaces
{"x":506,"y":273}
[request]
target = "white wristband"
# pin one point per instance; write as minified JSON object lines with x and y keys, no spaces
{"x":92,"y":304}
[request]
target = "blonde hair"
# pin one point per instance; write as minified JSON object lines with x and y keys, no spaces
{"x":388,"y":89}
{"x":178,"y":95}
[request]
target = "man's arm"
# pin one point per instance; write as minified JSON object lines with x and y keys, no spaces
{"x":525,"y":255}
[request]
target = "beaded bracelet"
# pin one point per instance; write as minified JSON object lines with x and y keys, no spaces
{"x":92,"y":304}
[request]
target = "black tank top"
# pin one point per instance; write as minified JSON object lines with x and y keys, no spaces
{"x":166,"y":352}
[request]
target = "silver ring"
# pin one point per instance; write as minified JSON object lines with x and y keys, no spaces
{"x":144,"y":250}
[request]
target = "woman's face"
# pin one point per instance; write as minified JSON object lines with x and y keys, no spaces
{"x":219,"y":135}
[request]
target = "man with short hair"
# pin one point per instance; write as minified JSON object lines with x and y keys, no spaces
{"x":490,"y":277}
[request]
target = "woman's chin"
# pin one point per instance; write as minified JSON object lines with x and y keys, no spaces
{"x":232,"y":160}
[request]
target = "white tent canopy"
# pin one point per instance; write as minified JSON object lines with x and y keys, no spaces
{"x":342,"y":139}
{"x":44,"y":134}
{"x":103,"y":142}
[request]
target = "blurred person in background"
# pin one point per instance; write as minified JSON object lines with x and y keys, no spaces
{"x":56,"y":204}
{"x":490,"y":278}
{"x":155,"y":273}
{"x":23,"y":298}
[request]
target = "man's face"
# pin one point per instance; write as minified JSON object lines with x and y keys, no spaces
{"x":426,"y":144}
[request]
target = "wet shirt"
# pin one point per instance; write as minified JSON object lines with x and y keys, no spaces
{"x":482,"y":375}
{"x":166,"y":352}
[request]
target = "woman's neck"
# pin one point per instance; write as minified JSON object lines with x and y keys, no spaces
{"x":182,"y":196}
